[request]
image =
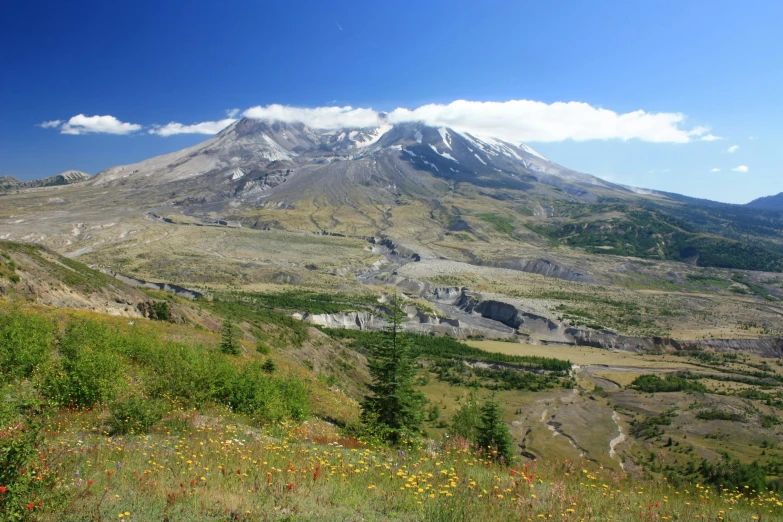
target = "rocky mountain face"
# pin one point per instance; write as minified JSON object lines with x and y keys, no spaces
{"x":68,"y":177}
{"x":277,"y":164}
{"x":768,"y":203}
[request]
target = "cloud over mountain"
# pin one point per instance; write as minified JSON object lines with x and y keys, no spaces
{"x":205,"y":127}
{"x":513,"y":120}
{"x":317,"y":118}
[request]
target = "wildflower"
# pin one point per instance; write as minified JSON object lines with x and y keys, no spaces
{"x":3,"y":489}
{"x":30,"y":506}
{"x":290,"y":486}
{"x":89,"y":482}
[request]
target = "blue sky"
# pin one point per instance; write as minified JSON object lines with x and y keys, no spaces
{"x":715,"y":65}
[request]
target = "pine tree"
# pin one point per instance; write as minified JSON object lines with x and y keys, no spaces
{"x":269,"y":366}
{"x":493,"y":435}
{"x":229,"y":342}
{"x":466,"y":421}
{"x":393,"y":404}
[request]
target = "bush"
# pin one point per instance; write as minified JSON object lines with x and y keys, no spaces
{"x":750,"y":479}
{"x":26,"y":340}
{"x":467,"y":419}
{"x":25,"y":473}
{"x":719,"y":415}
{"x":134,"y":414}
{"x":253,"y":392}
{"x":90,"y":369}
{"x":161,"y":310}
{"x":270,"y":366}
{"x":651,"y":383}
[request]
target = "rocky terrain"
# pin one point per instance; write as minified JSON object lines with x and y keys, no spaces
{"x":64,"y":178}
{"x":487,"y":238}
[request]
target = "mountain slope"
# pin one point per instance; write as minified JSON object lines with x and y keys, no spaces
{"x":768,"y":202}
{"x":64,"y":178}
{"x":259,"y":161}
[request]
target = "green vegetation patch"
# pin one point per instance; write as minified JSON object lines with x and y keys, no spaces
{"x":651,"y":383}
{"x":657,"y":235}
{"x":502,"y":224}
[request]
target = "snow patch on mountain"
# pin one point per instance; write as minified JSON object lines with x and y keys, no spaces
{"x":373,"y":137}
{"x":533,"y":152}
{"x":445,"y":136}
{"x":444,"y":154}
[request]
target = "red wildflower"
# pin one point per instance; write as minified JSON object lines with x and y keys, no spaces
{"x":30,"y":506}
{"x":290,"y":486}
{"x":3,"y":489}
{"x":89,"y":482}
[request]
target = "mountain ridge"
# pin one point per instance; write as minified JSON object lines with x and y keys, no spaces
{"x":774,"y":202}
{"x":67,"y":177}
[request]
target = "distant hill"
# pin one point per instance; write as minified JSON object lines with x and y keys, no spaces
{"x":768,"y":202}
{"x":68,"y":177}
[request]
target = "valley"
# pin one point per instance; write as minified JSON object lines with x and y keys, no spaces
{"x":633,"y":336}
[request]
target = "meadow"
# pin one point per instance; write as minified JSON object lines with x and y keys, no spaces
{"x":106,"y":420}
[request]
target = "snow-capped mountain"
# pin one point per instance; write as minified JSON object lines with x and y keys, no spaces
{"x":275,"y":162}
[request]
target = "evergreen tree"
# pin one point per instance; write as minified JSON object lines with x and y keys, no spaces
{"x":492,"y":434}
{"x":269,"y":366}
{"x":393,"y":405}
{"x":466,"y":421}
{"x":229,"y":342}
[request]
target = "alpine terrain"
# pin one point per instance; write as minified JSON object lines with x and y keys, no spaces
{"x":254,"y":319}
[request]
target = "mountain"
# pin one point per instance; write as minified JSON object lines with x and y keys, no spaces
{"x":768,"y":202}
{"x":68,"y":177}
{"x":280,"y":163}
{"x":451,"y":183}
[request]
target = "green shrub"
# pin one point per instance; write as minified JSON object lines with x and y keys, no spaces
{"x":24,"y":473}
{"x":134,"y":414}
{"x":263,"y":348}
{"x":750,"y":479}
{"x":162,"y":310}
{"x":26,"y":340}
{"x":719,"y":415}
{"x":253,"y":392}
{"x":651,"y":383}
{"x":270,"y":366}
{"x":467,"y":419}
{"x":90,"y":369}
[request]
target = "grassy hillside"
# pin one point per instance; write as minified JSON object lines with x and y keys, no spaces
{"x":109,"y":417}
{"x":103,"y":419}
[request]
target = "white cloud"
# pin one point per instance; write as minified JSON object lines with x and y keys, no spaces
{"x":81,"y":124}
{"x":205,"y":127}
{"x":741,"y":168}
{"x":319,"y":117}
{"x":703,"y":134}
{"x":530,"y":121}
{"x":50,"y":124}
{"x":733,"y":149}
{"x":514,"y":120}
{"x":716,"y":169}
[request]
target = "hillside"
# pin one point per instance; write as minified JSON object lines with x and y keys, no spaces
{"x":768,"y":202}
{"x":64,"y":178}
{"x":155,"y":420}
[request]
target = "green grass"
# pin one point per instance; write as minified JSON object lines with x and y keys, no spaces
{"x":502,"y":224}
